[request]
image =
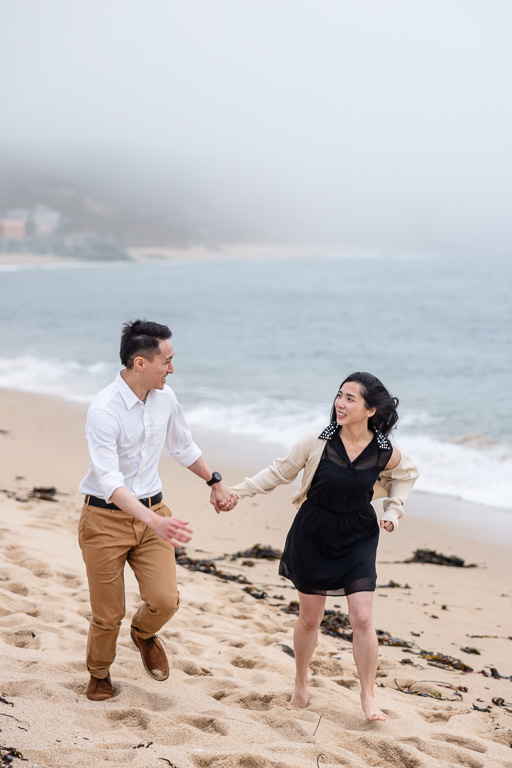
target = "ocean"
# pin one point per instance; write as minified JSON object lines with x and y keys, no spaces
{"x":262,"y":345}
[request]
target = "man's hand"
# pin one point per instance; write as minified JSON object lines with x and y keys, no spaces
{"x":222,"y":498}
{"x":387,"y":525}
{"x":175,"y":532}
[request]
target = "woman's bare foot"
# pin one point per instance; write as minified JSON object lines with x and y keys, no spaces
{"x":371,"y":710}
{"x":300,"y":696}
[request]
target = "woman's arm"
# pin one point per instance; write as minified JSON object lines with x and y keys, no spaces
{"x":281,"y":471}
{"x":397,"y":481}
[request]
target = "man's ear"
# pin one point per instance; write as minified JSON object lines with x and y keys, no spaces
{"x":139,"y":363}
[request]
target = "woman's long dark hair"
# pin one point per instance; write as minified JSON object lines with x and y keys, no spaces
{"x":375,"y":396}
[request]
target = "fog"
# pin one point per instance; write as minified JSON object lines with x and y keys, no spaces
{"x":377,"y":125}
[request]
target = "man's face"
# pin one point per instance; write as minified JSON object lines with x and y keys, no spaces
{"x":155,"y":371}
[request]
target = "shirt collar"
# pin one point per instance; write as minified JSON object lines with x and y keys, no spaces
{"x":329,"y":432}
{"x":129,"y":397}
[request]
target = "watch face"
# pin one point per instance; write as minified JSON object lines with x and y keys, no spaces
{"x":216,"y":478}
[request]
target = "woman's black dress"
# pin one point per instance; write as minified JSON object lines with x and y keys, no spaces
{"x":331,"y":547}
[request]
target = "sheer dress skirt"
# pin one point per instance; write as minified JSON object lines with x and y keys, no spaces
{"x":327,"y":553}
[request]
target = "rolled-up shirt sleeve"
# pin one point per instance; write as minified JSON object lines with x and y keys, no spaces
{"x":101,"y":431}
{"x":179,"y":438}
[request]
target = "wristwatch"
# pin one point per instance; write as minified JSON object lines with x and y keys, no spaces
{"x":215,"y":478}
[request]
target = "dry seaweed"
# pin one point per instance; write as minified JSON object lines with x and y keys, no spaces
{"x":5,"y":701}
{"x":316,"y":729}
{"x":46,"y":494}
{"x":385,"y":638}
{"x":436,"y":558}
{"x":286,"y":648}
{"x":469,"y":649}
{"x":258,"y":594}
{"x":494,"y":673}
{"x":7,"y":754}
{"x":21,"y":727}
{"x":444,"y":661}
{"x":481,"y":709}
{"x":498,"y":701}
{"x":411,"y":662}
{"x":337,"y":624}
{"x":334,"y":623}
{"x":434,"y":695}
{"x":393,"y":585}
{"x":207,"y":566}
{"x":260,"y":552}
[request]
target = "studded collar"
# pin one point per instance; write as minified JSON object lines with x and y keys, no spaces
{"x":329,"y":432}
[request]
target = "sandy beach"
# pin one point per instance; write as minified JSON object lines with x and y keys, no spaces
{"x":226,"y":701}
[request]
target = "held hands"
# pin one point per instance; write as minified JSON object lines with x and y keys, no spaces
{"x":222,"y":498}
{"x":175,"y":532}
{"x":387,"y":525}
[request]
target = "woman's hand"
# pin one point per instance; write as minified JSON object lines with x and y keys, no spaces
{"x":387,"y":525}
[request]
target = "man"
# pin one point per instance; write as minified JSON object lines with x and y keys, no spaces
{"x":124,"y":517}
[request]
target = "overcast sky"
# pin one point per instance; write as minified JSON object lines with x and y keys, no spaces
{"x":376,"y":124}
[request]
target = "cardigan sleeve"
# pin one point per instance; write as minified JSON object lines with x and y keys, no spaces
{"x":281,"y":471}
{"x":395,"y":485}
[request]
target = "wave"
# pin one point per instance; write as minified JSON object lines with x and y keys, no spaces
{"x":475,"y":467}
{"x":68,"y":380}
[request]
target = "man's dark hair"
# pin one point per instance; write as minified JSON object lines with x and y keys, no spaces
{"x":141,"y":337}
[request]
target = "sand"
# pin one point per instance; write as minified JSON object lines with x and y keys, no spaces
{"x":226,"y":701}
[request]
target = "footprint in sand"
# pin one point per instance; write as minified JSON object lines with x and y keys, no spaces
{"x":453,"y":755}
{"x":131,"y":718}
{"x":240,"y":760}
{"x":206,"y":724}
{"x":38,"y":567}
{"x":10,"y":605}
{"x":254,"y":701}
{"x":22,"y":638}
{"x":389,"y":752}
{"x":70,"y":580}
{"x":190,"y":668}
{"x":17,"y":588}
{"x":241,"y":663}
{"x":439,"y":714}
{"x":461,"y":741}
{"x":288,"y":729}
{"x":35,"y":689}
{"x":327,"y":667}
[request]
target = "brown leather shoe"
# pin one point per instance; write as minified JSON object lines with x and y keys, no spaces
{"x":152,"y":655}
{"x":100,"y":689}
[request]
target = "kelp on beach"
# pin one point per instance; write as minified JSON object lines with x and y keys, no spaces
{"x":436,"y":558}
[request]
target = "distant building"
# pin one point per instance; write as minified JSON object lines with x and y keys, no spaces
{"x":14,"y":223}
{"x":44,"y":221}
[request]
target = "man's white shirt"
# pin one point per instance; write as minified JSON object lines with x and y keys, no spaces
{"x":126,"y":437}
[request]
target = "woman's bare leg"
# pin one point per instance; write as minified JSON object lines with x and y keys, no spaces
{"x":365,"y":649}
{"x":305,"y":636}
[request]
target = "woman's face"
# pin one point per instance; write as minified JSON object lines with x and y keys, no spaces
{"x":350,"y":405}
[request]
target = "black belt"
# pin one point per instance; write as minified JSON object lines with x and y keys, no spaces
{"x":95,"y":501}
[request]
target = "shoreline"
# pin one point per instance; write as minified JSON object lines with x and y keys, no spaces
{"x":197,"y":253}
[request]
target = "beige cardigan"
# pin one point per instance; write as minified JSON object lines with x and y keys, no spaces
{"x":393,"y":485}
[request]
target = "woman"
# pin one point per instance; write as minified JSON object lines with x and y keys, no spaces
{"x":332,"y":544}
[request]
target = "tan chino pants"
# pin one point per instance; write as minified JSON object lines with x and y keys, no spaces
{"x":108,"y":539}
